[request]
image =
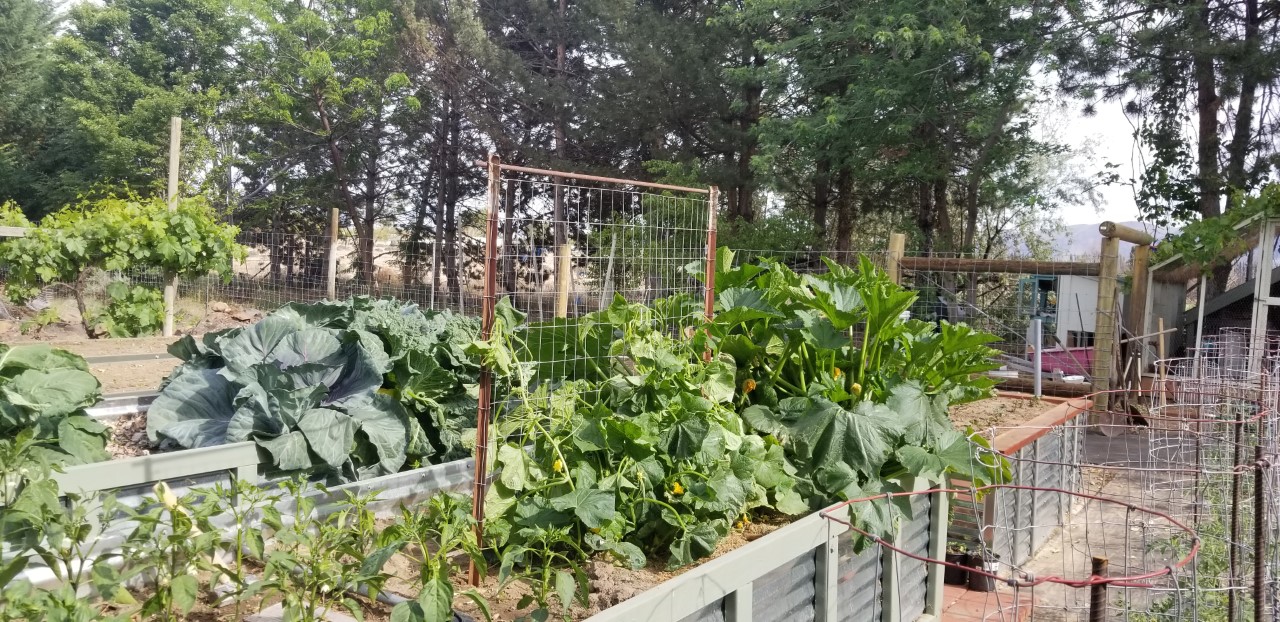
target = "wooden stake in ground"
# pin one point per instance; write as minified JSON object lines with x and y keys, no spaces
{"x":171,"y":280}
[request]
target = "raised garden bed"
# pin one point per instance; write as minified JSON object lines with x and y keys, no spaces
{"x":1040,"y":448}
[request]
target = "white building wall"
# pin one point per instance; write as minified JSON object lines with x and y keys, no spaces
{"x":1077,"y":304}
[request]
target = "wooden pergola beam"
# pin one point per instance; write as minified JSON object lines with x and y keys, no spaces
{"x":1005,"y":266}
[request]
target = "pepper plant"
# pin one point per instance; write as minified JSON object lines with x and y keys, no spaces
{"x":173,"y":543}
{"x":435,"y":535}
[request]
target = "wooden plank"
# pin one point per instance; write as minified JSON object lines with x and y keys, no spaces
{"x":1048,"y":387}
{"x":13,"y":232}
{"x":1004,"y":266}
{"x":1110,"y":229}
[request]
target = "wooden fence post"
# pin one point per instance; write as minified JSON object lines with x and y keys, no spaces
{"x":709,"y":284}
{"x":1104,"y":337}
{"x":897,"y":249}
{"x":484,"y":408}
{"x":171,"y":280}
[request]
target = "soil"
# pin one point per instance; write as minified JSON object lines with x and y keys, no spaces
{"x":610,"y":584}
{"x":128,"y":436}
{"x":996,"y":413}
{"x":191,"y":316}
{"x":118,"y":377}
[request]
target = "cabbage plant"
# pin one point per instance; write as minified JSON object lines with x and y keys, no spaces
{"x":341,"y":390}
{"x":44,"y":391}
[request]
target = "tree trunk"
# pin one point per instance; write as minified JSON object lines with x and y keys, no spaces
{"x":1207,"y":105}
{"x":437,"y":239}
{"x":559,"y":225}
{"x":1208,"y":184}
{"x":451,"y":204}
{"x":821,"y":198}
{"x":82,"y":281}
{"x":371,"y":174}
{"x":925,"y":216}
{"x":411,"y":253}
{"x":1242,"y":133}
{"x":364,"y":230}
{"x":743,"y":206}
{"x":945,"y":235}
{"x":844,"y":212}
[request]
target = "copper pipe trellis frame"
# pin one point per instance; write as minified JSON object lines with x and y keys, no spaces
{"x":484,"y":409}
{"x":584,"y":177}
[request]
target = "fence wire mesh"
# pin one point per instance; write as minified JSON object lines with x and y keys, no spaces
{"x":1176,"y":491}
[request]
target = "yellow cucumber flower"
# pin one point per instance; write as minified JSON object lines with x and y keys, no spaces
{"x":557,"y":466}
{"x":677,"y":489}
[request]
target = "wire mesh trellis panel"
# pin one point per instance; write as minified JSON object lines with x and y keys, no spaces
{"x":563,"y":250}
{"x":637,"y":243}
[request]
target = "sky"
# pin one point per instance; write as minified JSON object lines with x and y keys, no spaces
{"x":1108,"y":137}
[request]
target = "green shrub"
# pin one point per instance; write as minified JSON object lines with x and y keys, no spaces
{"x":131,"y":311}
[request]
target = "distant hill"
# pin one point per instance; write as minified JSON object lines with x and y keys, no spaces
{"x":1084,"y":240}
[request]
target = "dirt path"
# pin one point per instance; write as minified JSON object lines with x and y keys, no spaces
{"x":121,"y":377}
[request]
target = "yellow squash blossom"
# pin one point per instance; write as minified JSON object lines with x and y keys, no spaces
{"x":748,"y":385}
{"x":677,"y":489}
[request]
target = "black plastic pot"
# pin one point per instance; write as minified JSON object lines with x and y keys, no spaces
{"x":956,"y":576}
{"x":979,"y":582}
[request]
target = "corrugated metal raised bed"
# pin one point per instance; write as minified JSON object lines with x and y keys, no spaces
{"x":808,"y":571}
{"x":1014,"y":522}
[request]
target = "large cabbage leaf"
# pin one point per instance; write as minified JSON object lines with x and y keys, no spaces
{"x":45,"y":390}
{"x":339,"y":390}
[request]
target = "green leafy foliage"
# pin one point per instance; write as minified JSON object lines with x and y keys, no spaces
{"x":856,"y":395}
{"x":174,"y":542}
{"x":343,"y":390}
{"x":317,"y":558}
{"x":629,"y":436}
{"x":44,"y":391}
{"x":437,"y":535}
{"x":131,"y":311}
{"x":651,"y":460}
{"x":116,"y":234}
{"x":1209,"y":242}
